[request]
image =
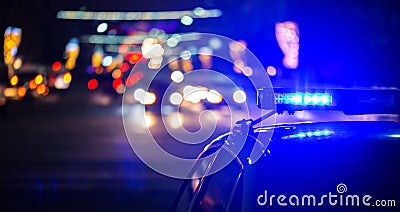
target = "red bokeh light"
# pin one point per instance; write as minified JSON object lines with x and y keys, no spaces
{"x":116,"y":83}
{"x":124,"y":67}
{"x":92,"y":84}
{"x":56,"y":66}
{"x":132,"y":79}
{"x":133,"y":57}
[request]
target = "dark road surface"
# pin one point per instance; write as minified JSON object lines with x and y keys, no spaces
{"x":74,"y":157}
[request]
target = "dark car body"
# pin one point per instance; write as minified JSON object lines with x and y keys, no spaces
{"x":303,"y":159}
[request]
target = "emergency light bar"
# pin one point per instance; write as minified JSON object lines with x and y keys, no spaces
{"x":317,"y":133}
{"x":299,"y":98}
{"x":350,"y":101}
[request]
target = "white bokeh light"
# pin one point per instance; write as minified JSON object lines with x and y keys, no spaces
{"x":239,"y":96}
{"x":186,"y":20}
{"x":177,"y":76}
{"x":102,"y":27}
{"x":176,"y":98}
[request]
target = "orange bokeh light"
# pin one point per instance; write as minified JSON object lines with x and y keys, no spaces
{"x":14,"y":80}
{"x":41,"y":89}
{"x":21,"y":91}
{"x":117,"y":73}
{"x":133,"y":57}
{"x":32,"y":84}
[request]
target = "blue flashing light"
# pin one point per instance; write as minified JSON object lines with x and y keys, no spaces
{"x":326,"y":132}
{"x":301,"y":135}
{"x":299,"y":98}
{"x":316,"y":133}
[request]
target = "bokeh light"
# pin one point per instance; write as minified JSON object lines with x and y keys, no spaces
{"x":102,"y":27}
{"x":271,"y":70}
{"x":32,"y":85}
{"x":148,"y":98}
{"x":148,"y":120}
{"x":92,"y":84}
{"x":59,"y":82}
{"x":186,"y":20}
{"x":17,"y":63}
{"x":116,"y":83}
{"x":215,"y":43}
{"x":176,"y":98}
{"x":139,"y":94}
{"x":67,"y":77}
{"x":186,"y":55}
{"x":56,"y":66}
{"x":39,"y":79}
{"x":239,"y":96}
{"x":247,"y":71}
{"x":120,"y":89}
{"x":41,"y":89}
{"x":21,"y":91}
{"x":133,"y":78}
{"x":177,"y":76}
{"x":14,"y":80}
{"x":287,"y":36}
{"x":117,"y":73}
{"x":199,"y":11}
{"x":107,"y":60}
{"x":214,"y":96}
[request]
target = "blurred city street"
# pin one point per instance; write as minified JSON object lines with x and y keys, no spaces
{"x":62,"y":156}
{"x":72,"y":73}
{"x":71,"y":154}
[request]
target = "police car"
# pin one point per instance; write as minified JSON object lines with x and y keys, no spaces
{"x":311,"y":166}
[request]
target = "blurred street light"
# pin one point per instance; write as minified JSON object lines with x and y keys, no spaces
{"x":71,"y":53}
{"x":12,"y":39}
{"x":129,"y":16}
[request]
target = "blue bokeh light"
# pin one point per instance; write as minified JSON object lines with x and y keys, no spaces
{"x":316,"y":133}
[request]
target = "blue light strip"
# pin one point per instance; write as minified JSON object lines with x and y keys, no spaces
{"x":316,"y":133}
{"x":299,"y":98}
